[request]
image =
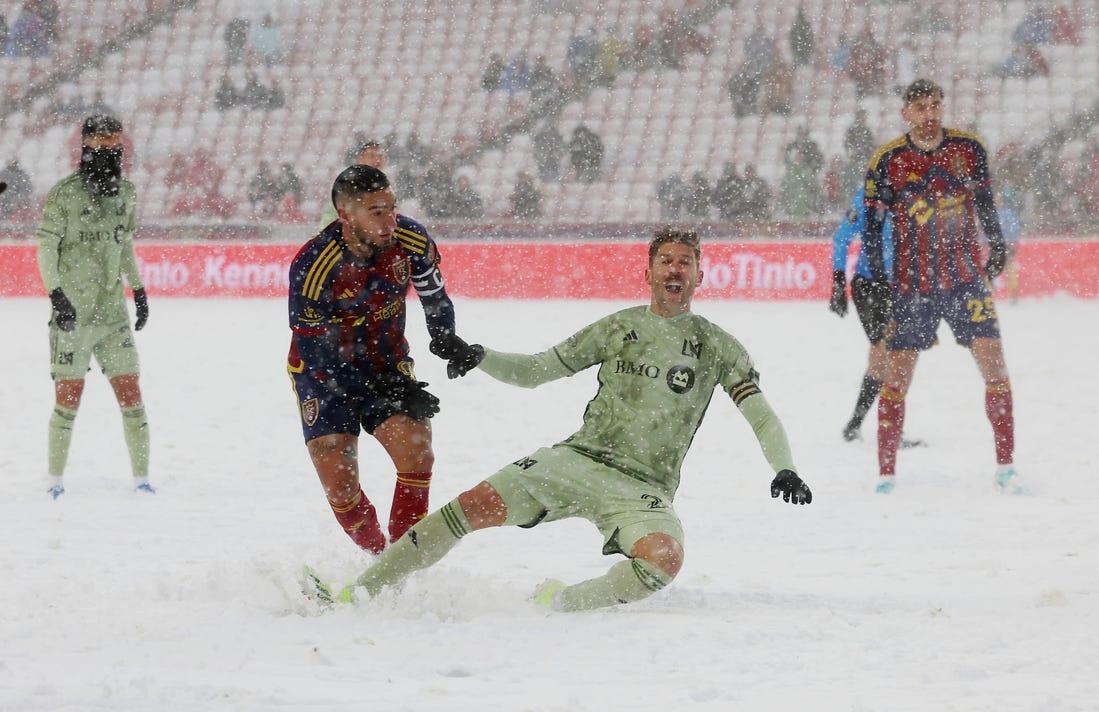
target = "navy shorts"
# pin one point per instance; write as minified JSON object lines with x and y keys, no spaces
{"x":968,"y":310}
{"x":324,"y":413}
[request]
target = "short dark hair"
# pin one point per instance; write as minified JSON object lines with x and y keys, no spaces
{"x":101,"y":125}
{"x":921,"y":88}
{"x":358,"y":179}
{"x":666,"y":234}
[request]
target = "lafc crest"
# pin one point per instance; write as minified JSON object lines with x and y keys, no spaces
{"x":310,"y":411}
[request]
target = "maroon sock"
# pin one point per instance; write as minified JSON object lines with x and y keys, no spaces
{"x":359,"y":519}
{"x":890,"y":427}
{"x":1001,"y":413}
{"x":409,"y":502}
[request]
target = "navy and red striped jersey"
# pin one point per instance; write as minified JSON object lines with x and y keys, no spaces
{"x":935,"y":198}
{"x":350,"y":313}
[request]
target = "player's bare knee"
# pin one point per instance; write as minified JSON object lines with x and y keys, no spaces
{"x":660,"y":550}
{"x":483,"y":506}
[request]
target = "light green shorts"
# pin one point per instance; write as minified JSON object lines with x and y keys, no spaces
{"x":71,"y":351}
{"x":559,"y":482}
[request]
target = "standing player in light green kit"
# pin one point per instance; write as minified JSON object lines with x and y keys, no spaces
{"x":658,"y":368}
{"x":85,"y":246}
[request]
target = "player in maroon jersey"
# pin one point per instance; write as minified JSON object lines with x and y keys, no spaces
{"x":936,"y":185}
{"x":349,"y":358}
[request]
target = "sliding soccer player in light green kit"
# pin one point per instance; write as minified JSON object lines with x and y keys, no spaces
{"x":659,"y":365}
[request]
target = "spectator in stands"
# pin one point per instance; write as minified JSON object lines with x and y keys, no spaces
{"x":1064,"y":26}
{"x":493,"y":74}
{"x":586,"y":154}
{"x":1024,"y":62}
{"x":744,"y":90}
{"x":27,"y":37}
{"x":267,"y":42}
{"x":435,"y":191}
{"x":199,"y":178}
{"x":777,"y":87}
{"x":264,"y":191}
{"x":643,"y":52}
{"x":525,"y":198}
{"x":930,"y":19}
{"x":50,"y":13}
{"x":859,"y":142}
{"x":670,"y":196}
{"x":516,"y":76}
{"x":3,"y":32}
{"x":608,"y":57}
{"x":1035,"y":28}
{"x":698,"y":197}
{"x":841,"y":54}
{"x":290,"y":183}
{"x":800,"y":190}
{"x":465,"y":201}
{"x":547,"y":94}
{"x":867,"y":65}
{"x":226,"y":97}
{"x":236,"y":39}
{"x":801,"y":39}
{"x":548,"y":147}
{"x":757,"y":196}
{"x":728,"y":193}
{"x":580,"y":58}
{"x":16,"y":200}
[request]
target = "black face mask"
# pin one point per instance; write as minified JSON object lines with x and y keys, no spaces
{"x":101,"y":169}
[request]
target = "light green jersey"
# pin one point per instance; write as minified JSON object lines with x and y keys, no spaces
{"x":328,"y":215}
{"x":85,"y":245}
{"x":656,"y":378}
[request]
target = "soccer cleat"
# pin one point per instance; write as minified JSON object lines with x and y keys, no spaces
{"x":905,"y":443}
{"x":1007,"y":480}
{"x":851,"y":431}
{"x":56,"y":490}
{"x":546,"y":592}
{"x":885,"y":484}
{"x":145,"y":487}
{"x":316,"y":590}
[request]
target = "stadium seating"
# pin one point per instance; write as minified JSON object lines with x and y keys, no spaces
{"x":399,"y":67}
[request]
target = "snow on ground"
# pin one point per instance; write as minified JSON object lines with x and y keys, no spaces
{"x":941,"y":596}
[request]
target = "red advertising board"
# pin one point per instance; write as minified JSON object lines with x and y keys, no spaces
{"x":780,"y":270}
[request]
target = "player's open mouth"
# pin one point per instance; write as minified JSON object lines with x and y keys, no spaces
{"x":676,"y":288}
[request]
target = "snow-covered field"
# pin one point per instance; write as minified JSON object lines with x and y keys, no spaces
{"x":941,"y":596}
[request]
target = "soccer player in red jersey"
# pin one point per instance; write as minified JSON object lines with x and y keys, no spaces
{"x":349,"y":359}
{"x":936,"y":185}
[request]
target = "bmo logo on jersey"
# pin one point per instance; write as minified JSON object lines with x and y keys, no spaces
{"x":679,"y":378}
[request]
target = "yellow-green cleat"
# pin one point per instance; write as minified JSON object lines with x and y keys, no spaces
{"x":546,"y":592}
{"x":313,"y":588}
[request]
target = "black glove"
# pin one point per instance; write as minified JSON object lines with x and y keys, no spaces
{"x":997,"y":259}
{"x":63,"y":313}
{"x":879,"y":291}
{"x":406,"y":395}
{"x":141,"y":305}
{"x":790,"y":485}
{"x":461,"y":357}
{"x":838,"y":303}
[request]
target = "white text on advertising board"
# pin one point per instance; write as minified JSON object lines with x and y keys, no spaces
{"x":744,"y":270}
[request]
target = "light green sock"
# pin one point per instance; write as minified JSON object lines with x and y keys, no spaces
{"x":60,"y":437}
{"x":421,"y":546}
{"x":626,"y":581}
{"x":135,"y":428}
